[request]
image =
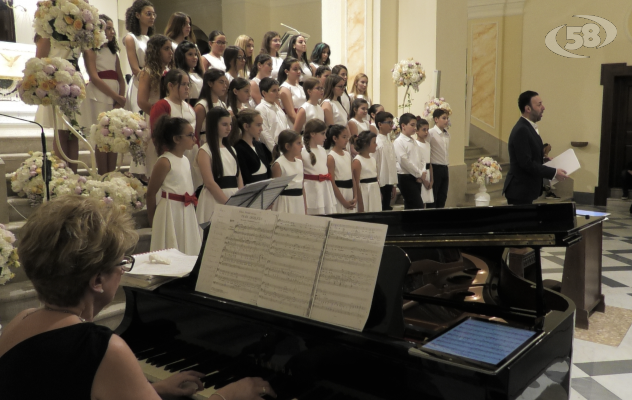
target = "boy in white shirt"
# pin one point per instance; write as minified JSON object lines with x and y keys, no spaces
{"x":409,"y":169}
{"x":274,"y":119}
{"x":386,"y":160}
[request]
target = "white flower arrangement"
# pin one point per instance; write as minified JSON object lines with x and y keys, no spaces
{"x":408,"y":73}
{"x":73,"y":24}
{"x":432,"y":105}
{"x":53,"y":81}
{"x":8,"y":255}
{"x":28,"y":181}
{"x":116,"y":189}
{"x":120,"y":131}
{"x":485,"y":170}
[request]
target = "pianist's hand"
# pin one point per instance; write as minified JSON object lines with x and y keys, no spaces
{"x":246,"y":389}
{"x":180,"y":384}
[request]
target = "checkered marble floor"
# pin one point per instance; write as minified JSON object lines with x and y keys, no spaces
{"x":603,"y":372}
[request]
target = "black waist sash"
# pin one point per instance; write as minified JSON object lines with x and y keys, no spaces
{"x":258,"y":178}
{"x":348,"y":184}
{"x":292,"y":192}
{"x":368,"y":180}
{"x":428,"y":166}
{"x":227,"y":182}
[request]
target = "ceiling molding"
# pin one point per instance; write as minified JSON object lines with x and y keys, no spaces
{"x":494,"y":8}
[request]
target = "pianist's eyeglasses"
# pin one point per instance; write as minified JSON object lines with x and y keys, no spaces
{"x":127,"y":264}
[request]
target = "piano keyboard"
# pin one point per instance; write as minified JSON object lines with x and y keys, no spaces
{"x":163,"y":361}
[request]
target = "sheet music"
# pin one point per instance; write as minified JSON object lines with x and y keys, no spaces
{"x":274,"y":189}
{"x":292,"y":263}
{"x":232,"y":267}
{"x":567,"y":161}
{"x":346,"y":282}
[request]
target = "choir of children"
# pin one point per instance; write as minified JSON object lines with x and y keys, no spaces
{"x":304,"y":124}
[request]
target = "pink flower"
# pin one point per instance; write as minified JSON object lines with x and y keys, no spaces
{"x":142,"y":124}
{"x":49,"y":69}
{"x":89,"y":26}
{"x":78,"y":190}
{"x":75,"y":90}
{"x":70,"y":69}
{"x":139,"y":133}
{"x":2,"y":226}
{"x":62,"y":164}
{"x":82,"y":179}
{"x":64,"y":177}
{"x":41,"y":93}
{"x":63,"y":89}
{"x":87,"y":16}
{"x":105,"y":132}
{"x":33,"y":173}
{"x":102,"y":23}
{"x":10,"y":236}
{"x":33,"y":167}
{"x":138,"y":205}
{"x":108,"y":200}
{"x":127,"y":132}
{"x":105,"y":121}
{"x":441,"y":98}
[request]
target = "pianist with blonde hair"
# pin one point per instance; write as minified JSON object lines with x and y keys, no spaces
{"x":73,"y":251}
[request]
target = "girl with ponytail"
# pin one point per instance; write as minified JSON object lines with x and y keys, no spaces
{"x":173,"y":220}
{"x":319,"y":193}
{"x":287,"y":162}
{"x":339,"y":166}
{"x":253,"y":156}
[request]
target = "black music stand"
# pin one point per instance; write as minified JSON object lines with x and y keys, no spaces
{"x":260,"y":195}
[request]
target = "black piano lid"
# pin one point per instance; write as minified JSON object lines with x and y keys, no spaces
{"x":536,"y":219}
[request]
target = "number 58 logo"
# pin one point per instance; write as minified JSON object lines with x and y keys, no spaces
{"x":581,"y":36}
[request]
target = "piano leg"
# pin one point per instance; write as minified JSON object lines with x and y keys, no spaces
{"x":539,"y":288}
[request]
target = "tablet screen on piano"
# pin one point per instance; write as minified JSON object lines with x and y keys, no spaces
{"x":481,"y":341}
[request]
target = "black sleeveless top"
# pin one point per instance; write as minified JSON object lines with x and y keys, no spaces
{"x":58,"y":364}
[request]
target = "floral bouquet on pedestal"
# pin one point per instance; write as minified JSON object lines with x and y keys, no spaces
{"x":485,"y":171}
{"x":28,"y":180}
{"x":432,"y":105}
{"x":408,"y":73}
{"x":53,"y":81}
{"x":120,"y":131}
{"x":8,"y":255}
{"x":73,"y":24}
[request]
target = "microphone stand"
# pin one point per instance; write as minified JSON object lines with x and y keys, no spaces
{"x":47,"y":164}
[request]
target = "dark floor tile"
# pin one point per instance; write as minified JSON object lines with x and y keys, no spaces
{"x":552,"y":270}
{"x":612,"y":283}
{"x":557,"y":260}
{"x":616,"y":269}
{"x":619,"y":258}
{"x":625,"y":251}
{"x":606,"y":367}
{"x":608,"y":234}
{"x":592,"y":390}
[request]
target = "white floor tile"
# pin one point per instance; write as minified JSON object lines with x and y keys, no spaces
{"x":609,"y":262}
{"x":577,"y":373}
{"x":624,"y":277}
{"x":576,"y":396}
{"x":616,"y":245}
{"x":617,"y":384}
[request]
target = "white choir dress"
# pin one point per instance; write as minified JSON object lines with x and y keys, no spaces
{"x":307,"y":71}
{"x":44,"y":114}
{"x":340,"y":115}
{"x":96,"y":101}
{"x":298,"y":98}
{"x":371,"y":197}
{"x":361,"y":125}
{"x":252,"y":101}
{"x":140,"y":43}
{"x":184,"y":110}
{"x":206,"y":203}
{"x":312,"y":112}
{"x":345,"y":101}
{"x":196,"y":85}
{"x":343,"y":173}
{"x":215,"y":62}
{"x":291,"y":204}
{"x":427,"y":195}
{"x":175,"y":225}
{"x":276,"y":64}
{"x":319,"y":196}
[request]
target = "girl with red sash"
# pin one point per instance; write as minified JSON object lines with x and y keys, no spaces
{"x":319,"y":193}
{"x":105,"y":91}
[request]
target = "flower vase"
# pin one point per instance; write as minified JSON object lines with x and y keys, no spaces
{"x":482,"y":198}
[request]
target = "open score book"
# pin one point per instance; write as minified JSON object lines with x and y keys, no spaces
{"x":314,"y":267}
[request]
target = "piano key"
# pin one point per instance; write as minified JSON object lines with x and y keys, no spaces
{"x":182,"y":354}
{"x":191,"y":361}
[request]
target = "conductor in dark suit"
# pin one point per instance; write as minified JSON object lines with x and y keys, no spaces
{"x":523,"y":183}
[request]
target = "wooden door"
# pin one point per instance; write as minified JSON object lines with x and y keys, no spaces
{"x":621,"y":149}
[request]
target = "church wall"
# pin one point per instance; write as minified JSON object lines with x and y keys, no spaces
{"x":302,"y":15}
{"x":570,"y":88}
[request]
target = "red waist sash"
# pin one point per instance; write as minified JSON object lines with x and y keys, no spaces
{"x":108,"y":75}
{"x":187,"y":199}
{"x":319,"y":178}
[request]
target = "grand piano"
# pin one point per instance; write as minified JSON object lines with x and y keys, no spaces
{"x":438,"y":268}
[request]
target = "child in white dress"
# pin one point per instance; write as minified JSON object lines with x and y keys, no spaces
{"x":291,"y":93}
{"x":218,"y":165}
{"x":339,"y":166}
{"x":262,"y":68}
{"x":424,"y":148}
{"x":311,"y":108}
{"x":215,"y":59}
{"x":319,"y":193}
{"x":335,"y":113}
{"x":365,"y":173}
{"x":214,"y":88}
{"x":292,"y":199}
{"x":173,"y":220}
{"x":359,"y":90}
{"x":357,"y":123}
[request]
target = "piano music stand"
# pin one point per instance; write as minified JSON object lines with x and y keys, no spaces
{"x":265,"y":191}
